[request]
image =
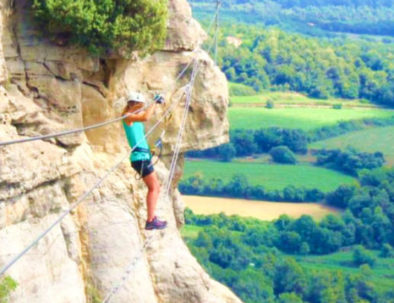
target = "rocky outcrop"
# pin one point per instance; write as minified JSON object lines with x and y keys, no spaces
{"x":48,"y":88}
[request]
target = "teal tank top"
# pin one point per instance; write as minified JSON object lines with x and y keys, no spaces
{"x":136,"y":134}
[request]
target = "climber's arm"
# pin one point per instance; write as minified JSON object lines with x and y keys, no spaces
{"x":141,"y":116}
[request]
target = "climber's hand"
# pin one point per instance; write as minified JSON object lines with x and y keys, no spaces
{"x":158,"y":99}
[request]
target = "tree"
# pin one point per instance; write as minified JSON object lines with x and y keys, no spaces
{"x":363,"y":256}
{"x":305,"y":227}
{"x":289,"y":241}
{"x":387,"y":251}
{"x":243,"y":141}
{"x":203,"y":240}
{"x":341,"y":196}
{"x":268,"y":138}
{"x":289,"y":277}
{"x":326,"y":287}
{"x":237,"y":186}
{"x":304,"y":248}
{"x":106,"y":25}
{"x":296,"y":140}
{"x":227,"y":152}
{"x":289,"y":298}
{"x":282,"y":154}
{"x":283,"y":222}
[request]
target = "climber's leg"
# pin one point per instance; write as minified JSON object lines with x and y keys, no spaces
{"x":153,"y":185}
{"x":145,"y":169}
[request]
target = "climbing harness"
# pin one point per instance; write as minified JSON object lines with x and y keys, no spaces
{"x":96,"y":185}
{"x":114,"y":167}
{"x":80,"y":199}
{"x":153,"y":151}
{"x":189,"y":90}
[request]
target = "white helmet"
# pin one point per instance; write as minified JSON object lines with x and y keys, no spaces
{"x":136,"y":97}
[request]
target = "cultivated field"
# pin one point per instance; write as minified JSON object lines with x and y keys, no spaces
{"x":293,"y":99}
{"x":262,"y":210}
{"x":270,"y":176}
{"x":369,"y":140}
{"x":304,"y":118}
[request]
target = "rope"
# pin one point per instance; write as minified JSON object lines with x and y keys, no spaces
{"x":189,"y":91}
{"x":101,"y":124}
{"x":83,"y":197}
{"x":182,"y":127}
{"x":218,"y":4}
{"x":112,"y":169}
{"x":126,"y":273}
{"x":97,"y":184}
{"x":130,"y":266}
{"x":67,"y":132}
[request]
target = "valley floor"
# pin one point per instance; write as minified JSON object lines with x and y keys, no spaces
{"x":262,"y":210}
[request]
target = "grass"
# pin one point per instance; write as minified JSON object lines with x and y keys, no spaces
{"x":304,"y":118}
{"x":382,"y":272}
{"x":271,"y":176}
{"x":191,"y":231}
{"x":293,"y":98}
{"x":368,"y":140}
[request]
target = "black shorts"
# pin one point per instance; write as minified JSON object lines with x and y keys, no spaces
{"x":143,"y":167}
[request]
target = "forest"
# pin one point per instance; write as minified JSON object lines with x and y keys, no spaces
{"x":271,"y":58}
{"x":316,"y":18}
{"x":324,"y":50}
{"x":260,"y":261}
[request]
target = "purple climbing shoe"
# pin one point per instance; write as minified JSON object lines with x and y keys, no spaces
{"x":155,"y":224}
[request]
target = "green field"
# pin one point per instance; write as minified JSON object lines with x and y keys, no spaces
{"x":304,"y":118}
{"x":293,"y":98}
{"x":190,"y":231}
{"x":382,"y":272}
{"x":368,"y":140}
{"x":270,"y":176}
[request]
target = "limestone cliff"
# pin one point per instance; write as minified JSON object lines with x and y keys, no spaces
{"x":48,"y":87}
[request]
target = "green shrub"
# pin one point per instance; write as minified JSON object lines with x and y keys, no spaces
{"x":7,"y":285}
{"x":387,"y":251}
{"x":227,"y":152}
{"x":269,"y":104}
{"x":363,"y":256}
{"x":337,"y":106}
{"x":282,"y":154}
{"x":238,"y":89}
{"x":106,"y":25}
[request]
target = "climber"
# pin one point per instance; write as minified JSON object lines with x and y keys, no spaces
{"x":141,"y":157}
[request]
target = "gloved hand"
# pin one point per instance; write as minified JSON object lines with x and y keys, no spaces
{"x":158,"y":99}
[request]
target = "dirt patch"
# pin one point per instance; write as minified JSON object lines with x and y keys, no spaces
{"x":263,"y":210}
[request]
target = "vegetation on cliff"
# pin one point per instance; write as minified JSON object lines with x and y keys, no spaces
{"x":7,"y":285}
{"x":105,"y":26}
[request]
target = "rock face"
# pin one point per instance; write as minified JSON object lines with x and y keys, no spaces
{"x":101,"y":246}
